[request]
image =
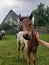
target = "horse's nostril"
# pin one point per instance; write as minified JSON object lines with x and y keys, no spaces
{"x":30,"y":24}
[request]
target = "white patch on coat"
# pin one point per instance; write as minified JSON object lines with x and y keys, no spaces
{"x":21,"y":39}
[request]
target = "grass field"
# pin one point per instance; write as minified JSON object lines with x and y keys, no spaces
{"x":8,"y":52}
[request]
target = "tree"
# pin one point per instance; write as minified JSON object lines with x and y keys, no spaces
{"x":40,"y":15}
{"x":47,"y":16}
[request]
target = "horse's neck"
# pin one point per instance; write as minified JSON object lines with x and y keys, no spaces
{"x":29,"y":29}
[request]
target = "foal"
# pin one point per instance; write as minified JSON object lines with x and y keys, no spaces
{"x":28,"y":34}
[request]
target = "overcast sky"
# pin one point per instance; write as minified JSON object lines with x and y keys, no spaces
{"x":23,"y":7}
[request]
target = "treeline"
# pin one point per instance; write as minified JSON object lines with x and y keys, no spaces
{"x":41,"y":15}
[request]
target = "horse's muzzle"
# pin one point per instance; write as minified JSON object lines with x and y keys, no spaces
{"x":26,"y":36}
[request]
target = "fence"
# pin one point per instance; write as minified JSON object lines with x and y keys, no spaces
{"x":39,"y":29}
{"x":42,"y":29}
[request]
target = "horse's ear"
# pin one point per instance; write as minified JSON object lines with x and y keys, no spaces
{"x":21,"y":18}
{"x":31,"y":15}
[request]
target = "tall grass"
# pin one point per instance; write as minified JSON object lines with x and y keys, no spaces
{"x":8,"y":52}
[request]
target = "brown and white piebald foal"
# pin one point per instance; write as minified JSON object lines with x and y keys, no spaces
{"x":29,"y":36}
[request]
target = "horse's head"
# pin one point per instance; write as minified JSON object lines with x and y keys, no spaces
{"x":26,"y":23}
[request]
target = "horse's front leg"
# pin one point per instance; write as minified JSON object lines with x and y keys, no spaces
{"x":28,"y":59}
{"x":28,"y":56}
{"x":34,"y":57}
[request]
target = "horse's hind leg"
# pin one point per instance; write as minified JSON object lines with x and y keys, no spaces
{"x":19,"y":44}
{"x":23,"y":50}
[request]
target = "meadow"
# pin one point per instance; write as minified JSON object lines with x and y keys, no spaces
{"x":8,"y":52}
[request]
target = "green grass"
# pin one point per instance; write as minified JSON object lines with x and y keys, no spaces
{"x":8,"y":52}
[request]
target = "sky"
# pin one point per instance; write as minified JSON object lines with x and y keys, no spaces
{"x":23,"y":7}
